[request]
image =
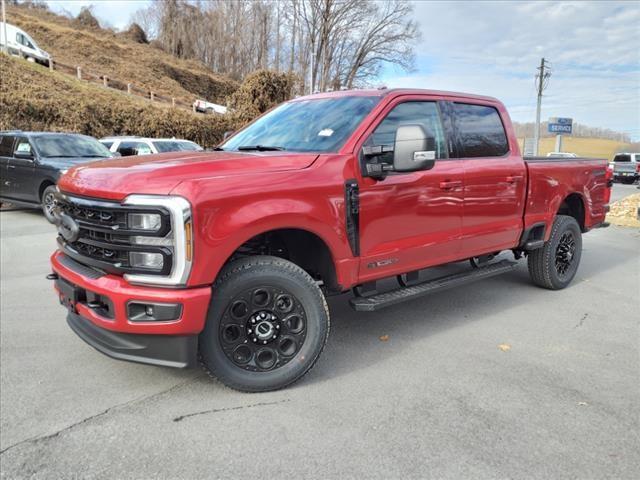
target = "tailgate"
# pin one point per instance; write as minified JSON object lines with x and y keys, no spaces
{"x":624,"y":167}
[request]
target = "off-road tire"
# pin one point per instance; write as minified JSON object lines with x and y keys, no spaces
{"x":47,"y":195}
{"x":246,"y":274}
{"x":542,"y":261}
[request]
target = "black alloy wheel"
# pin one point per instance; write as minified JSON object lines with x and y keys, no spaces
{"x":263,"y":328}
{"x":565,"y":253}
{"x":267,"y":324}
{"x":554,"y":265}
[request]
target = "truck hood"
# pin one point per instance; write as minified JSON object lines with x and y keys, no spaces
{"x":114,"y":179}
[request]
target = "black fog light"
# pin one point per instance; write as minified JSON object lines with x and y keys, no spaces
{"x":153,"y":312}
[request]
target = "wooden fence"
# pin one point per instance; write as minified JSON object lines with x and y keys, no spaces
{"x":126,"y":87}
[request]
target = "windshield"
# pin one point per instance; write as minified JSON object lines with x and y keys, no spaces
{"x":70,"y":146}
{"x":622,"y":158}
{"x":318,"y":125}
{"x":176,"y":146}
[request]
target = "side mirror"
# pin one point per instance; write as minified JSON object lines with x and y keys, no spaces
{"x":116,"y":154}
{"x":23,"y":155}
{"x":227,"y":134}
{"x":413,"y":149}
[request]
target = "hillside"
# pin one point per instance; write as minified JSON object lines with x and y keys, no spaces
{"x":34,"y":98}
{"x":584,"y":147}
{"x":102,"y":51}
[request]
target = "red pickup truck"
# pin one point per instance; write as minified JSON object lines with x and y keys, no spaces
{"x":227,"y":256}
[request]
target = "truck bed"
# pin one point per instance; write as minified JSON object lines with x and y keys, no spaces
{"x":551,"y":180}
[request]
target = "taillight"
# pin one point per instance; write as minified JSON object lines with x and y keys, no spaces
{"x":609,"y":173}
{"x":608,"y":176}
{"x":637,"y":167}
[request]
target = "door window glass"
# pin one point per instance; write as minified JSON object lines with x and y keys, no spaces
{"x":133,"y":148}
{"x":480,"y":131}
{"x":424,"y":114}
{"x":23,"y":40}
{"x":6,"y":144}
{"x":23,"y":146}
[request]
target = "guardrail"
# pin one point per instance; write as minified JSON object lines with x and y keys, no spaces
{"x":115,"y":84}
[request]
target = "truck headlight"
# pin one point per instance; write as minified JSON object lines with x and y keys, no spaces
{"x":178,"y":240}
{"x":144,"y":221}
{"x":154,"y":261}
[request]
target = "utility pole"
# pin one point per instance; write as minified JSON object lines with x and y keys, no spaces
{"x":4,"y":29}
{"x":542,"y":80}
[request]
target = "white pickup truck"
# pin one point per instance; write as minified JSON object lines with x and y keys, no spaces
{"x":626,"y":167}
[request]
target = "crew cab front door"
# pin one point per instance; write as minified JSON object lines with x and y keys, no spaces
{"x":6,"y":152}
{"x":21,"y":172}
{"x":413,"y":220}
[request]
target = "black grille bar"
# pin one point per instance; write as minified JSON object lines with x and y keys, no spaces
{"x":104,"y":241}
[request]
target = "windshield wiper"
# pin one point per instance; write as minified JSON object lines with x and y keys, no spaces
{"x":259,"y":148}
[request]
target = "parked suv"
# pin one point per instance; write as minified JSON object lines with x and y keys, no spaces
{"x":127,"y":146}
{"x":32,"y":162}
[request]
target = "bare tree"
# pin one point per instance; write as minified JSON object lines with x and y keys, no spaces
{"x":329,"y":43}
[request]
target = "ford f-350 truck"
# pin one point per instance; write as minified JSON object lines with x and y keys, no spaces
{"x":227,"y":256}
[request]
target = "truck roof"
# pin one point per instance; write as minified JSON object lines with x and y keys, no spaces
{"x":383,"y":92}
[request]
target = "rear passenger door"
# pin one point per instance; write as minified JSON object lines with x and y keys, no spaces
{"x":494,"y":179}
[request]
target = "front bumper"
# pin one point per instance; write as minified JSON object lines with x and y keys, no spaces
{"x":111,"y":331}
{"x":179,"y":351}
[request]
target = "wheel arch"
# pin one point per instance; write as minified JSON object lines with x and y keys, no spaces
{"x":573,"y":205}
{"x":302,"y":246}
{"x":47,"y":182}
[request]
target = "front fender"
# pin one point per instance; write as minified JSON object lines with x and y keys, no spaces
{"x":222,"y":224}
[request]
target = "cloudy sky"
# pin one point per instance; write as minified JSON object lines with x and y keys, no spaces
{"x":493,"y":48}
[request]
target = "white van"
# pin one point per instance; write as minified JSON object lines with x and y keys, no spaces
{"x":19,"y":43}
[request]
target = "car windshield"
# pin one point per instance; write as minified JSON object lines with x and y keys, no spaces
{"x":622,"y":158}
{"x":314,"y":125}
{"x":70,"y":146}
{"x":176,"y":146}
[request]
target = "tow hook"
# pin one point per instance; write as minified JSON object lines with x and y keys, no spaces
{"x":52,"y":276}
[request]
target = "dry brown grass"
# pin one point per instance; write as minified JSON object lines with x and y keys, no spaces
{"x":583,"y":147}
{"x":34,"y":98}
{"x":625,"y":212}
{"x":102,"y":51}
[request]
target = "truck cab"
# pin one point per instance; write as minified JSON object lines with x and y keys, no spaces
{"x":230,"y":254}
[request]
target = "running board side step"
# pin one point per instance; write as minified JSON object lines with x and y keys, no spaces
{"x":386,"y":299}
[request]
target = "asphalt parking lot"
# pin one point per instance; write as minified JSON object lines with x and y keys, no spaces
{"x":499,"y":379}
